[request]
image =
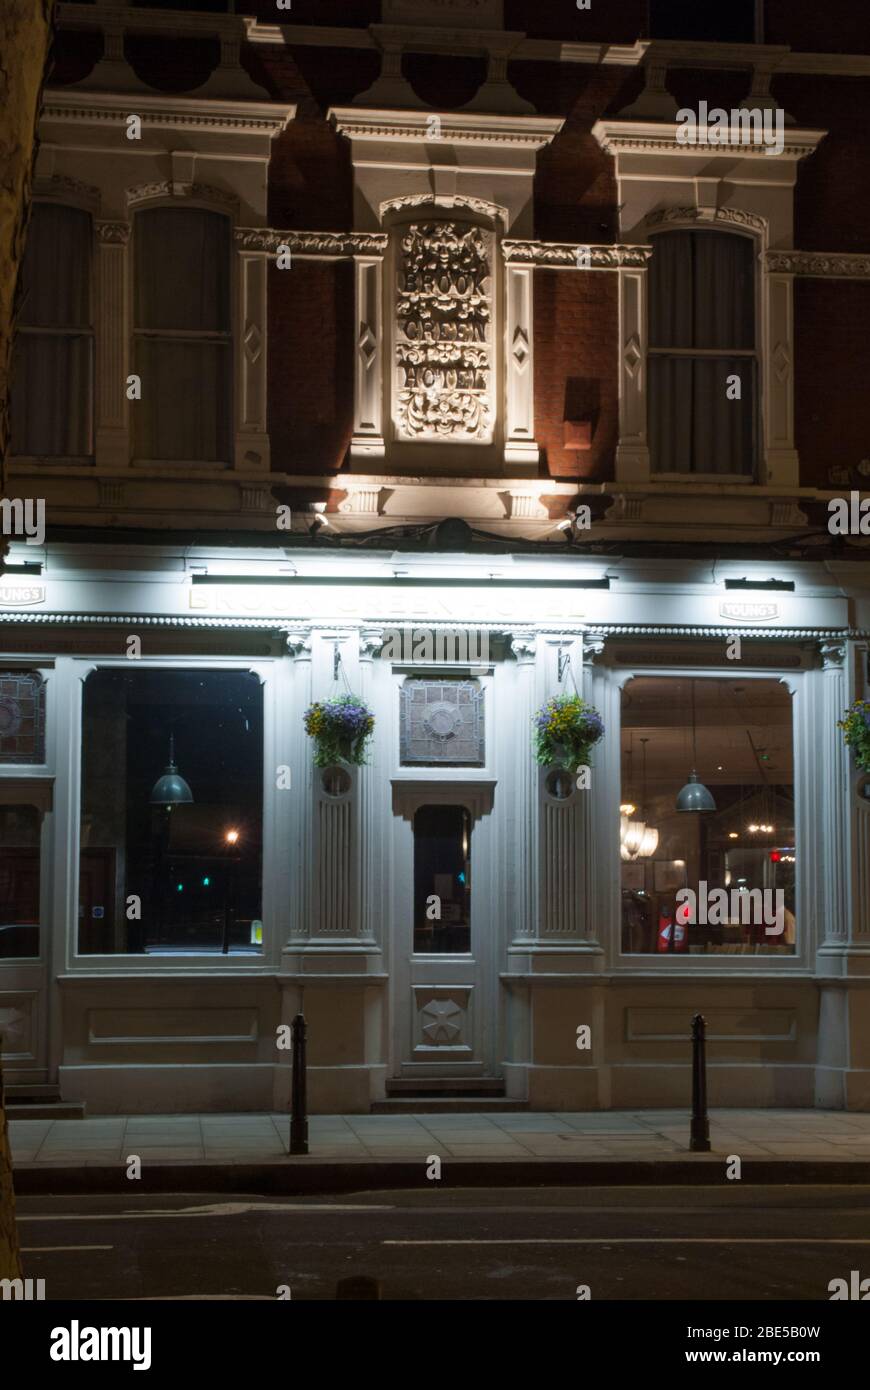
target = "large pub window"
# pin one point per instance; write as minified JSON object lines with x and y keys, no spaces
{"x":731,"y":833}
{"x":171,"y":813}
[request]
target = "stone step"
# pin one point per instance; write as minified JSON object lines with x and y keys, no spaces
{"x":447,"y":1105}
{"x":51,"y":1110}
{"x":24,"y":1092}
{"x":445,"y":1086}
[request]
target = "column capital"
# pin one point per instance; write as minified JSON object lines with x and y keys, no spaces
{"x":833,"y":653}
{"x":524,"y":645}
{"x":299,"y":643}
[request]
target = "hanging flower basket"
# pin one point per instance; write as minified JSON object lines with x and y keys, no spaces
{"x":340,"y":727}
{"x":566,"y":728}
{"x":856,"y":732}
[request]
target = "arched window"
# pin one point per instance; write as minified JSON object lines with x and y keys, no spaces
{"x":182,"y":336}
{"x":52,"y":368}
{"x":703,"y":368}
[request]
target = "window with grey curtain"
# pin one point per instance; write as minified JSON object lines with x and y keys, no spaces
{"x":51,"y":401}
{"x":701,"y":332}
{"x":182,"y":336}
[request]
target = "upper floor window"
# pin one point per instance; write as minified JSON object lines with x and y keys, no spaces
{"x":686,"y":19}
{"x":703,"y":369}
{"x":182,"y":336}
{"x":52,"y":369}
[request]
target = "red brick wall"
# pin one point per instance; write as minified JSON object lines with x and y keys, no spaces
{"x":310,"y":365}
{"x":575,"y":368}
{"x":832,"y":402}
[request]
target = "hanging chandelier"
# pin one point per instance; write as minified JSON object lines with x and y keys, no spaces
{"x":637,"y":840}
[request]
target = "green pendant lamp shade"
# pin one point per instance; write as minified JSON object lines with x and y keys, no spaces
{"x":171,"y":789}
{"x":694,"y":796}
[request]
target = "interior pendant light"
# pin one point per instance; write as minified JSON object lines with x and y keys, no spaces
{"x":694,"y":796}
{"x":170,"y":789}
{"x":637,"y":840}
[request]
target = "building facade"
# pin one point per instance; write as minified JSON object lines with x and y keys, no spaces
{"x":456,"y":358}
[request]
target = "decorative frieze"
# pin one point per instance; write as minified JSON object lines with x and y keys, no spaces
{"x":565,"y":255}
{"x":447,"y":201}
{"x":182,"y":188}
{"x":313,"y":245}
{"x":822,"y":264}
{"x":443,"y":349}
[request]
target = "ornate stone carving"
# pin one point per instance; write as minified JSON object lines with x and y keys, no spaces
{"x":728,"y":217}
{"x":371,"y":639}
{"x":299,"y":643}
{"x":523,"y":646}
{"x":445,"y":200}
{"x":322,"y":244}
{"x":443,"y":332}
{"x":833,"y":652}
{"x":834,"y":266}
{"x":113,"y":233}
{"x":168,"y":188}
{"x":69,"y":190}
{"x":569,"y":255}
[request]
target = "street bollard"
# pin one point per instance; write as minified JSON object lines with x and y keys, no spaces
{"x":700,"y":1138}
{"x":298,"y":1096}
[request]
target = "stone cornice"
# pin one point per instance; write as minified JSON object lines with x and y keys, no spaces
{"x":660,"y":138}
{"x":313,"y":245}
{"x":558,"y":255}
{"x":465,"y":127}
{"x":559,"y":51}
{"x":175,"y":112}
{"x":828,"y":265}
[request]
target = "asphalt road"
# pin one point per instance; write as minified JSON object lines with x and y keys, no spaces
{"x":697,"y":1243}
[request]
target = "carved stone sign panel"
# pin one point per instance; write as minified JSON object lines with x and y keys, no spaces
{"x":442,"y":723}
{"x":444,"y":334}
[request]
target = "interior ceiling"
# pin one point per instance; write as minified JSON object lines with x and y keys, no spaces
{"x":730,"y":717}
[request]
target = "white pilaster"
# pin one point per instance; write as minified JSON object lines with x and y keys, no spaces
{"x":632,"y":453}
{"x":781,"y":459}
{"x":252,"y":439}
{"x":112,"y":337}
{"x":520,"y":446}
{"x":368,"y":424}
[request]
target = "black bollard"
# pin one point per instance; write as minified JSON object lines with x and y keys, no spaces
{"x":700,"y":1139}
{"x":298,"y":1097}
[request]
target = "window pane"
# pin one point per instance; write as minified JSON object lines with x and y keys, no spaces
{"x":694,"y":426}
{"x":19,"y":881}
{"x":442,"y":879}
{"x":739,"y":858}
{"x":22,"y":717}
{"x":56,"y":273}
{"x":702,"y":290}
{"x":193,"y":867}
{"x":51,"y":396}
{"x":182,"y":275}
{"x":687,"y":19}
{"x":184,"y":412}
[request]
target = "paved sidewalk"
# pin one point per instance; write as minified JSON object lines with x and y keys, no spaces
{"x":815,"y":1136}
